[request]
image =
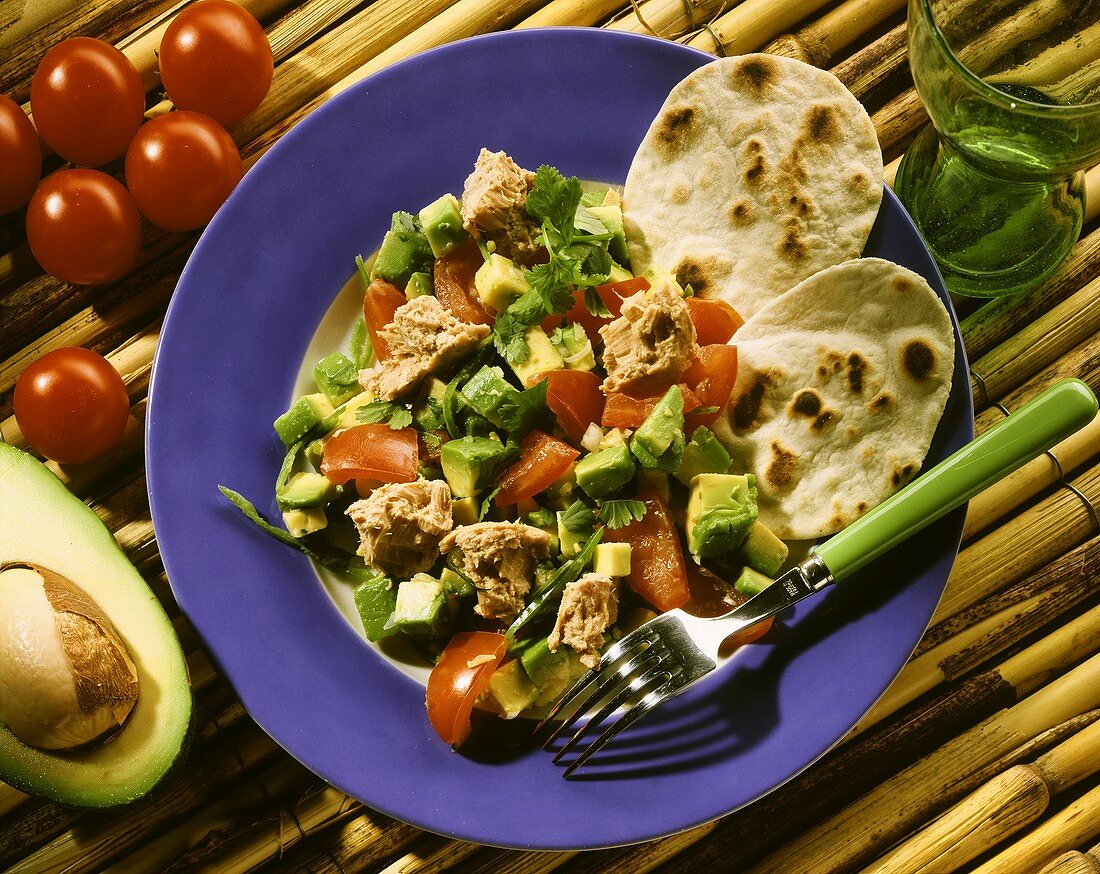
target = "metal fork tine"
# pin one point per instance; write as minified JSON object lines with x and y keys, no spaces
{"x":641,"y":676}
{"x":651,"y":700}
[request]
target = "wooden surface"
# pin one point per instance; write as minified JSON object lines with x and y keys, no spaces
{"x":983,"y":753}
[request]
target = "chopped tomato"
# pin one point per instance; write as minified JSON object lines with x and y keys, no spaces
{"x":454,"y":284}
{"x":573,"y":396}
{"x":657,"y":571}
{"x":612,"y":296}
{"x":625,"y":411}
{"x":375,"y":452}
{"x":715,"y":320}
{"x":713,"y":596}
{"x":747,"y":635}
{"x":712,"y":375}
{"x":379,"y":305}
{"x":614,"y":293}
{"x":542,"y":460}
{"x":458,"y":678}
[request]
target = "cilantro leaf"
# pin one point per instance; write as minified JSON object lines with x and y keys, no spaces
{"x":618,"y":514}
{"x":578,"y":518}
{"x":249,"y":511}
{"x":395,"y":415}
{"x":509,"y":339}
{"x":551,"y":283}
{"x":585,"y":221}
{"x":595,"y":305}
{"x":522,"y":410}
{"x":589,"y":264}
{"x":486,"y":504}
{"x":554,"y":199}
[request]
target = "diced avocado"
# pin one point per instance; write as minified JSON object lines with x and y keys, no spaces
{"x":442,"y":223}
{"x":659,"y":441}
{"x":464,"y":511}
{"x":752,"y":582}
{"x":552,"y":672}
{"x":337,"y":377}
{"x":421,"y":607}
{"x":762,"y":550}
{"x":304,"y":415}
{"x":499,"y":282}
{"x":606,"y":471}
{"x":455,"y":583}
{"x":721,"y":510}
{"x":612,"y":218}
{"x":613,"y":437}
{"x":511,"y":690}
{"x":470,"y":463}
{"x":487,"y":393}
{"x":545,"y":520}
{"x":703,"y":454}
{"x":347,"y":414}
{"x":594,"y":197}
{"x":314,"y":452}
{"x":305,"y":521}
{"x":574,"y":347}
{"x":404,"y":251}
{"x":541,"y":355}
{"x":612,"y":559}
{"x":306,"y":489}
{"x":619,"y":274}
{"x":570,"y":542}
{"x":375,"y":600}
{"x":561,"y":492}
{"x":657,"y":277}
{"x":427,"y":411}
{"x":419,"y":285}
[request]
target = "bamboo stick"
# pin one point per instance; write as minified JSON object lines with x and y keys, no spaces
{"x":577,"y":13}
{"x":1075,"y":862}
{"x":751,"y":25}
{"x":856,"y":834}
{"x":10,"y":799}
{"x":638,"y":858}
{"x":897,"y":121}
{"x":820,"y":41}
{"x":351,"y":845}
{"x":432,"y":854}
{"x":670,"y":18}
{"x":875,"y":66}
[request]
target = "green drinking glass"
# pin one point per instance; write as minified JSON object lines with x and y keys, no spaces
{"x":996,"y":182}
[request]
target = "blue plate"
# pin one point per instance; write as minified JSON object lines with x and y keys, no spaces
{"x":258,"y":283}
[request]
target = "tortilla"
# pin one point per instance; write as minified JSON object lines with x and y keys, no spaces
{"x":758,"y":171}
{"x":840,"y":385}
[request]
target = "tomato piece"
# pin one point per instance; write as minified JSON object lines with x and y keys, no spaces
{"x":87,"y":101}
{"x":611,"y":294}
{"x":376,"y":452}
{"x":461,"y":675}
{"x":747,"y":635}
{"x":614,"y":293}
{"x":573,"y":396}
{"x":715,"y":320}
{"x":21,"y":167}
{"x":381,"y":301}
{"x":712,"y":375}
{"x":83,"y":227}
{"x":215,"y":59}
{"x":454,"y":284}
{"x":542,"y":459}
{"x":180,"y":168}
{"x":657,"y":571}
{"x":71,"y":405}
{"x":626,"y":411}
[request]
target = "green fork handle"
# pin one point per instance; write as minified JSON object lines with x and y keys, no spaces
{"x":1039,"y":424}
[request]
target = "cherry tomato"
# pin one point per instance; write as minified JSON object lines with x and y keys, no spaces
{"x":180,"y":168}
{"x":626,"y":411}
{"x":712,"y":375}
{"x":87,"y":101}
{"x":215,"y":59}
{"x":371,"y":452}
{"x":71,"y":405}
{"x":381,"y":301}
{"x":454,"y":284}
{"x":715,"y":320}
{"x":20,"y":156}
{"x":542,"y":459}
{"x":83,"y":227}
{"x":657,"y":570}
{"x":573,"y":396}
{"x":461,"y":675}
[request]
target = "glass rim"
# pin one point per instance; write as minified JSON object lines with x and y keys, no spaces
{"x":1007,"y":101}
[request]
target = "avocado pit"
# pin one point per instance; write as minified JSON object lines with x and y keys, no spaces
{"x":66,"y":678}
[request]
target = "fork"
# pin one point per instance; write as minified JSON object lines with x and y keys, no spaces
{"x":673,"y":651}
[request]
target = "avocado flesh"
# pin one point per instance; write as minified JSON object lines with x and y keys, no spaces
{"x":42,"y":523}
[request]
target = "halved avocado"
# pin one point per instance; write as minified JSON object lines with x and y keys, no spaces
{"x":43,"y":524}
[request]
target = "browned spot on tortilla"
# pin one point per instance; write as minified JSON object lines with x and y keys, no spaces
{"x":881,"y":402}
{"x":792,"y":246}
{"x":799,"y":205}
{"x":918,"y":360}
{"x":676,"y":127}
{"x":837,"y":521}
{"x":754,"y":172}
{"x":696,"y":274}
{"x":861,"y":507}
{"x":858,"y":181}
{"x":758,"y":74}
{"x":868,"y":453}
{"x":903,"y":284}
{"x":806,"y":403}
{"x":857,"y":367}
{"x":821,"y":125}
{"x":781,"y":468}
{"x":679,"y":194}
{"x":902,"y":474}
{"x":851,"y":433}
{"x":823,"y":421}
{"x":747,"y":409}
{"x":741,"y":214}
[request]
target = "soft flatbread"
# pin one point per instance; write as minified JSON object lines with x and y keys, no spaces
{"x":840,"y":385}
{"x":758,"y":171}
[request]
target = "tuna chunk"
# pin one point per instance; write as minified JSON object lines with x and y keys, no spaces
{"x":654,"y":337}
{"x":424,"y":338}
{"x":400,"y":525}
{"x":493,"y":204}
{"x":588,"y":607}
{"x":499,"y":558}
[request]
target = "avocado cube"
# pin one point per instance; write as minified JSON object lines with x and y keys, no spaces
{"x":421,"y":607}
{"x":612,"y":559}
{"x":499,"y":282}
{"x":314,"y":452}
{"x":375,"y":599}
{"x":455,"y":583}
{"x":337,"y":377}
{"x":545,"y":520}
{"x":419,"y":285}
{"x":574,"y":347}
{"x":511,"y":690}
{"x":571,"y":542}
{"x":305,"y":521}
{"x":703,"y":454}
{"x":552,"y":672}
{"x":721,"y":510}
{"x":541,"y":356}
{"x":611,"y":217}
{"x":658,"y":276}
{"x":470,"y":463}
{"x":606,"y":471}
{"x":594,"y":197}
{"x":304,"y":415}
{"x":751,"y":582}
{"x":442,"y":223}
{"x":404,"y":251}
{"x":619,"y":274}
{"x":347,"y":414}
{"x":487,"y":393}
{"x":659,"y":441}
{"x":306,"y":489}
{"x":464,"y":511}
{"x":762,"y":550}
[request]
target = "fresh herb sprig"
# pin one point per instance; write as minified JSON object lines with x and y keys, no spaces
{"x":620,"y":513}
{"x":394,"y":415}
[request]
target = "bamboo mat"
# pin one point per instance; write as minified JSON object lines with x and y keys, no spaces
{"x":983,"y":753}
